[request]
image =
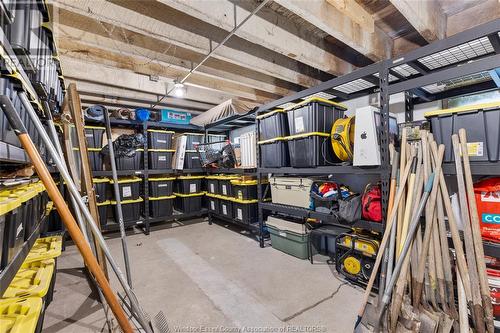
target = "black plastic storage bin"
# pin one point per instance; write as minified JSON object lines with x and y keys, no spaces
{"x":160,"y":139}
{"x":12,"y":215}
{"x":245,"y":189}
{"x":273,"y":124}
{"x":95,"y":158}
{"x":245,"y":211}
{"x":131,"y":209}
{"x":311,"y":150}
{"x":161,"y":206}
{"x":212,"y":184}
{"x":133,"y":163}
{"x":481,"y":122}
{"x":160,"y":159}
{"x":226,"y":207}
{"x":93,"y":135}
{"x":213,"y":203}
{"x":188,"y":184}
{"x":225,"y":187}
{"x":102,"y":190}
{"x":188,"y":203}
{"x":193,"y":140}
{"x":161,"y":186}
{"x":274,"y":153}
{"x":103,"y":208}
{"x":313,"y":115}
{"x":130,"y":188}
{"x":192,"y":160}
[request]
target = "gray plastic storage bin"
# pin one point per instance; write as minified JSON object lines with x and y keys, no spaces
{"x":273,"y":124}
{"x":482,"y":123}
{"x":160,"y":139}
{"x":274,"y":153}
{"x":226,"y":208}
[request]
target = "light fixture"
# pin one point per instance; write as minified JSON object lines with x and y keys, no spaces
{"x":179,"y":89}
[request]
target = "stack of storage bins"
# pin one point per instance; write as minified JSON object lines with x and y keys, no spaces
{"x":273,"y":128}
{"x":310,"y":124}
{"x":188,"y":194}
{"x":160,"y":149}
{"x":192,"y":158}
{"x":161,"y":196}
{"x":21,"y":209}
{"x":130,"y":196}
{"x":31,"y":290}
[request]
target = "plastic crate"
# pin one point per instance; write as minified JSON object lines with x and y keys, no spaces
{"x":213,"y":203}
{"x":21,"y":315}
{"x":160,"y":159}
{"x":131,"y":209}
{"x":273,"y":124}
{"x":33,"y":279}
{"x":101,"y":187}
{"x":289,"y":242}
{"x":161,"y":206}
{"x":482,"y":123}
{"x":93,"y":135}
{"x":188,"y":203}
{"x":160,"y":139}
{"x":45,"y":248}
{"x":13,"y":217}
{"x":193,"y":140}
{"x":273,"y":153}
{"x":192,"y":160}
{"x":188,"y":184}
{"x":161,"y":186}
{"x":129,"y":188}
{"x":226,"y":207}
{"x":103,"y":208}
{"x":225,"y":187}
{"x":313,"y":115}
{"x":245,"y":211}
{"x":245,"y":189}
{"x":212,"y":184}
{"x":133,"y":163}
{"x":310,"y":150}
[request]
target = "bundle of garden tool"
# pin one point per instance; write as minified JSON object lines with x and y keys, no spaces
{"x":426,"y":283}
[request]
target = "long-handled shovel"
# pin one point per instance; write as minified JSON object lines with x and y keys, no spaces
{"x":403,"y":260}
{"x":469,"y":243}
{"x":65,"y":213}
{"x":476,"y":234}
{"x":383,"y":245}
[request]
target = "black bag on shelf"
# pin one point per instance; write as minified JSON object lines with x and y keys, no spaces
{"x":350,"y":209}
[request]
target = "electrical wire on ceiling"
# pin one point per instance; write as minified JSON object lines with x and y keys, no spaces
{"x":259,"y":7}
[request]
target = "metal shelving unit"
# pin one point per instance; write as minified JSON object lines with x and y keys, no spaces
{"x":416,"y":74}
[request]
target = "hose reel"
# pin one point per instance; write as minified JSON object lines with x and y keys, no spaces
{"x":342,"y":137}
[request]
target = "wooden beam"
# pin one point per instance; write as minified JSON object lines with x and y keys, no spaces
{"x":354,"y":12}
{"x":425,"y":16}
{"x":473,"y":16}
{"x":262,"y":32}
{"x":135,"y":45}
{"x":144,"y":66}
{"x":366,"y":39}
{"x":105,"y":17}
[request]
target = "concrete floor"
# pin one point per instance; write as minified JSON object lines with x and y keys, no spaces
{"x":210,"y":278}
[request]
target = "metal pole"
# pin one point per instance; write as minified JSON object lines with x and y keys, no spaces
{"x":116,"y":188}
{"x":74,"y":192}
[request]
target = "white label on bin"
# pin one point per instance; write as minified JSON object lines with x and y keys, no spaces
{"x":192,"y":188}
{"x":162,"y":158}
{"x":239,"y":214}
{"x":475,"y":148}
{"x":163,"y":185}
{"x":282,"y":234}
{"x":212,"y":205}
{"x":126,"y":191}
{"x":89,"y":135}
{"x":161,"y":141}
{"x":212,"y":188}
{"x":299,"y":124}
{"x":224,"y":209}
{"x":224,"y":190}
{"x":195,"y":157}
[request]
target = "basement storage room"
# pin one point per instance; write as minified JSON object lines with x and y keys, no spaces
{"x":250,"y":166}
